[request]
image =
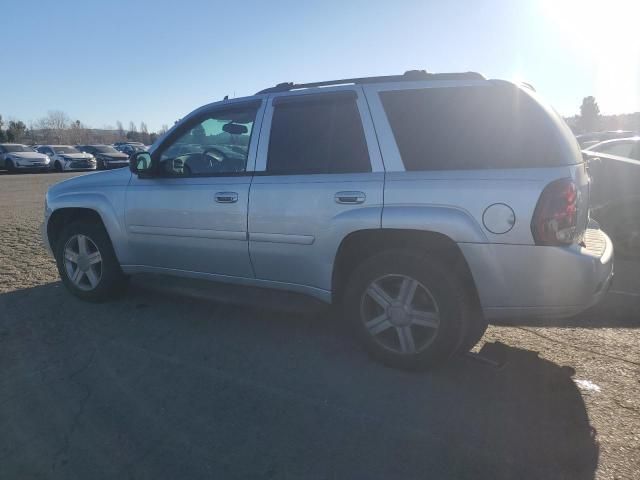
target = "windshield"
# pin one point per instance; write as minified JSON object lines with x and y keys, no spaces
{"x":65,"y":149}
{"x":17,"y":148}
{"x":105,"y":149}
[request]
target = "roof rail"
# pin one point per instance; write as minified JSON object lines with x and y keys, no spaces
{"x":408,"y":76}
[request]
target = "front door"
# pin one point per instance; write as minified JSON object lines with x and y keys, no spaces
{"x":192,"y":215}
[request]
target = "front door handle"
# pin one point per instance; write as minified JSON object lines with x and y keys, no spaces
{"x":226,"y":197}
{"x":350,"y":197}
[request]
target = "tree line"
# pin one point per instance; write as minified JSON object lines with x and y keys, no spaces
{"x":591,"y":120}
{"x":58,"y":128}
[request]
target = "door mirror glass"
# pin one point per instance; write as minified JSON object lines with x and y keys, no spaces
{"x":140,"y":162}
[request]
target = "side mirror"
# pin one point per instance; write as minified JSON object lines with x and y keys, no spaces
{"x":141,"y":164}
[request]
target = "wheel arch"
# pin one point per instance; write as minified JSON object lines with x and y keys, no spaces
{"x":90,"y":212}
{"x":362,"y":244}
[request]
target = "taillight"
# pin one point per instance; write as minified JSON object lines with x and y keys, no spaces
{"x":555,"y":220}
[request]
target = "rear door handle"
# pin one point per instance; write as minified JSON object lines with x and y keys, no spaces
{"x":226,"y":197}
{"x":350,"y":197}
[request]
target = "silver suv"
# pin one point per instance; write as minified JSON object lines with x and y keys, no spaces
{"x":424,"y":204}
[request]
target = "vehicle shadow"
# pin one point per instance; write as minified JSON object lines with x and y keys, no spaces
{"x":160,"y":386}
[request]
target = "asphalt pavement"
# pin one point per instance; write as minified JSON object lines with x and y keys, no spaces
{"x":163,"y":383}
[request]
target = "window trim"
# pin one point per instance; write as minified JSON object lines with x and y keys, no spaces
{"x":375,"y":158}
{"x":201,"y":114}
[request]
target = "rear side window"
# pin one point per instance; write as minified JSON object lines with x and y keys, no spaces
{"x":321,"y":134}
{"x":470,"y":128}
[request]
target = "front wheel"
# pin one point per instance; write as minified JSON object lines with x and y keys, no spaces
{"x":87,"y":263}
{"x":11,"y":168}
{"x":409,"y":310}
{"x":57,"y":166}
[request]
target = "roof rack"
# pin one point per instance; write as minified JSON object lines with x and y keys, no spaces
{"x":408,"y":76}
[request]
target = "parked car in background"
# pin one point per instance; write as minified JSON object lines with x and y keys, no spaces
{"x":614,"y":166}
{"x":66,"y":157}
{"x":423,"y":204}
{"x":622,"y":147}
{"x":131,"y":148}
{"x":106,"y":156}
{"x":588,"y":139}
{"x":16,"y":157}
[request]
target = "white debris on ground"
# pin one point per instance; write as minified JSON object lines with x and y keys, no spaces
{"x":586,"y":385}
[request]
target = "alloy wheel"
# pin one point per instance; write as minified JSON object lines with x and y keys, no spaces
{"x":400,"y":314}
{"x":83,"y":262}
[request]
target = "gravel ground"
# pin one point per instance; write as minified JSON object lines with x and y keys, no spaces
{"x":161,"y":385}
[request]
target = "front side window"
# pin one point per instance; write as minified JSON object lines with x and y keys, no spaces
{"x":320,"y":135}
{"x":17,"y":148}
{"x":215,"y":145}
{"x":621,"y":149}
{"x":65,"y":149}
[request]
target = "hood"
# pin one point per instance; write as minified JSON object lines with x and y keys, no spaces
{"x":94,"y":181}
{"x":28,"y":155}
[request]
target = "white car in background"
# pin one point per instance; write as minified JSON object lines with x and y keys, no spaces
{"x":66,"y":157}
{"x":16,"y":157}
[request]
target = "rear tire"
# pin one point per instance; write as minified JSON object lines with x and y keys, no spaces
{"x":416,"y":335}
{"x":87,"y":263}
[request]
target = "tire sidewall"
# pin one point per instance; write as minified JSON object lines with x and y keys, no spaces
{"x":112,"y":279}
{"x":446,"y":289}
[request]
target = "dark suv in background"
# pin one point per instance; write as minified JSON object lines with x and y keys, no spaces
{"x":106,"y":156}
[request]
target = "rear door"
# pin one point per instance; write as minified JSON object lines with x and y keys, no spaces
{"x":319,"y":176}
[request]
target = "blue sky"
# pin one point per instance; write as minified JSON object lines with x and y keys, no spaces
{"x":154,"y":61}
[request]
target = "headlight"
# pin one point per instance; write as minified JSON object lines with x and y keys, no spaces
{"x":47,"y":159}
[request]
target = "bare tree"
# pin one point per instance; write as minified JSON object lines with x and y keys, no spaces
{"x":132,"y":134}
{"x":144,"y":133}
{"x":120,"y":128}
{"x":78,"y":133}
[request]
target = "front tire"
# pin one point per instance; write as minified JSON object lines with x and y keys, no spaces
{"x":87,"y":263}
{"x":11,"y":168}
{"x":408,"y":309}
{"x":57,"y":166}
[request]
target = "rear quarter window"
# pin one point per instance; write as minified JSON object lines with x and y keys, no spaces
{"x":467,"y":128}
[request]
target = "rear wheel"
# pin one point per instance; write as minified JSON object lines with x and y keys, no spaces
{"x":408,"y":309}
{"x":87,"y":263}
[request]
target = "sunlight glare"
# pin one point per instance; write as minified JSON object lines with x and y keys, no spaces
{"x":604,"y":34}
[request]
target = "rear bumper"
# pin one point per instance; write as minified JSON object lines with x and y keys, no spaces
{"x":524,"y":281}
